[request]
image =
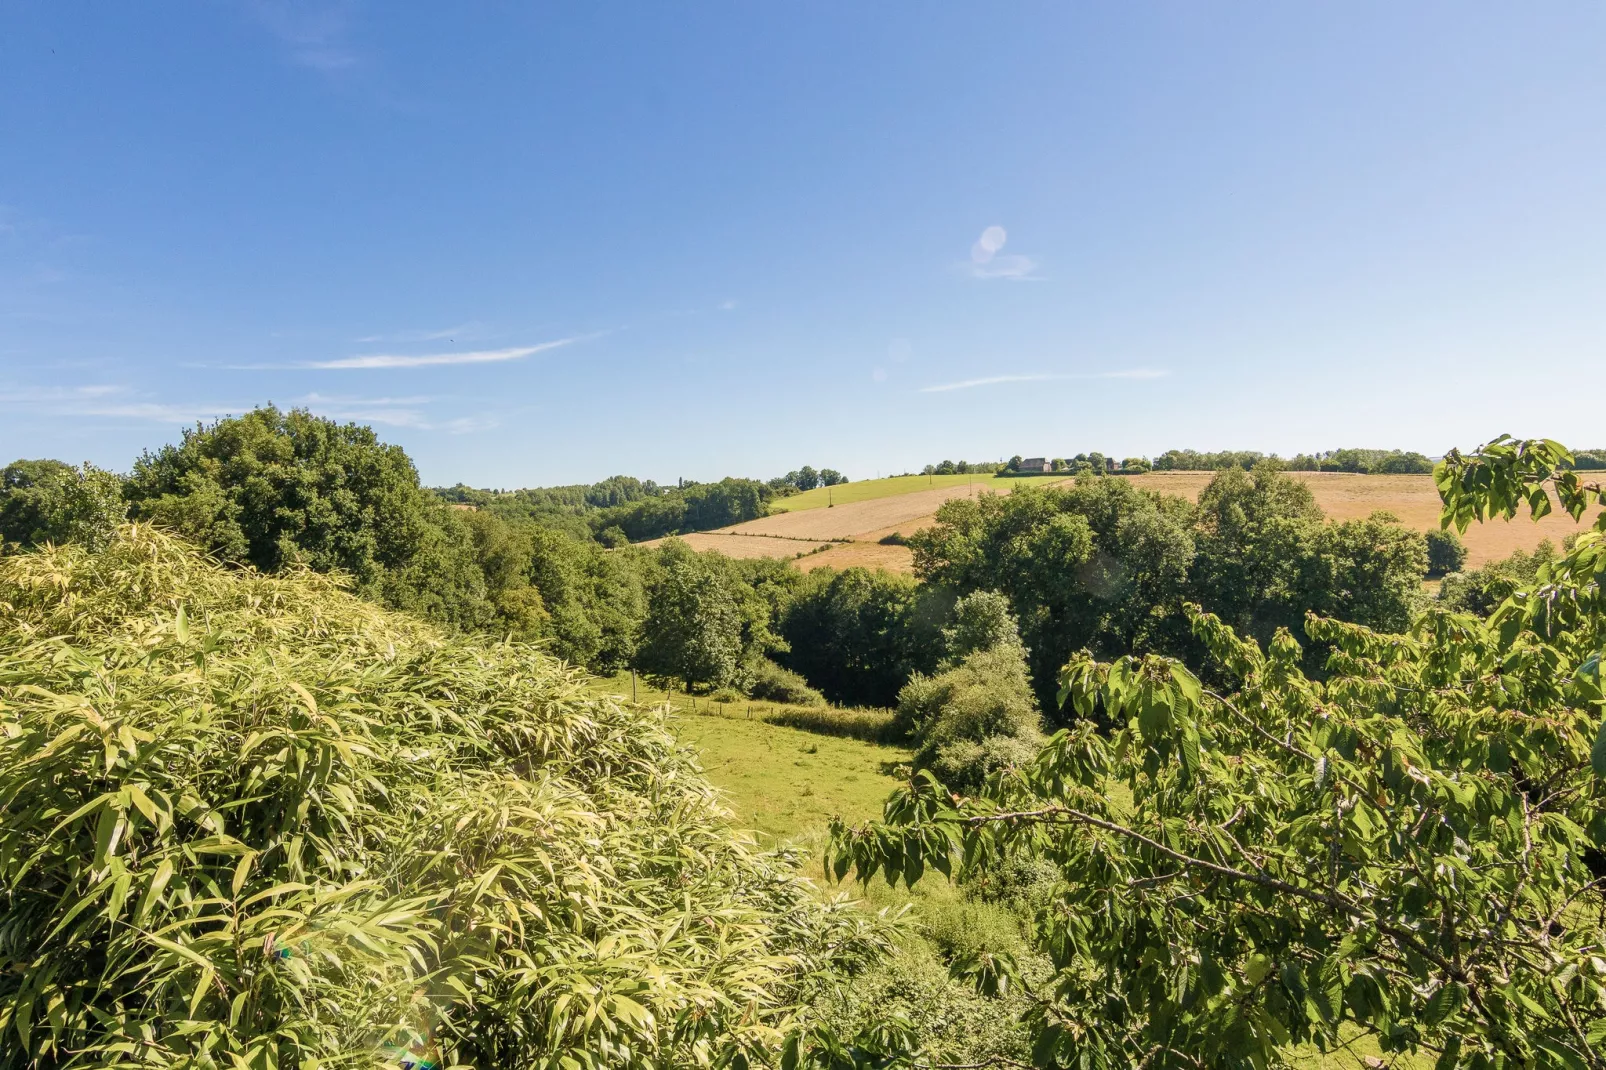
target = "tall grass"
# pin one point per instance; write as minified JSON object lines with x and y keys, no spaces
{"x":253,"y":822}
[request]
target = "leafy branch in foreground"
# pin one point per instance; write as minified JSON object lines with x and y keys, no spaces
{"x":1401,"y":848}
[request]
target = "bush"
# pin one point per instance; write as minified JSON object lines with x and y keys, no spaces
{"x":972,"y":720}
{"x":252,"y":820}
{"x":1446,"y":552}
{"x":966,"y":763}
{"x":771,"y":683}
{"x":954,"y":1023}
{"x":726,"y":695}
{"x":981,"y":621}
{"x":1482,"y":589}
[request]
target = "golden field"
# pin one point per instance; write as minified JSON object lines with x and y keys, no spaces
{"x":851,"y":532}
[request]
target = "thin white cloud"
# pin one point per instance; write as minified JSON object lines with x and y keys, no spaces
{"x":393,"y":412}
{"x":416,"y":360}
{"x":987,"y":263}
{"x":471,"y":329}
{"x":315,"y":35}
{"x":727,"y":306}
{"x":993,"y":380}
{"x":108,"y":402}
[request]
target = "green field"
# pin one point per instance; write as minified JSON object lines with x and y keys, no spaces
{"x":867,"y":489}
{"x":785,"y":785}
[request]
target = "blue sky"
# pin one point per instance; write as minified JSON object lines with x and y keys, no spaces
{"x":543,"y":244}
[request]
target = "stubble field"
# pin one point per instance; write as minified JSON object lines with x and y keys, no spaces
{"x":850,"y":533}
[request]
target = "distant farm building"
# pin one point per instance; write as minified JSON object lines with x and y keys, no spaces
{"x":1036,"y":464}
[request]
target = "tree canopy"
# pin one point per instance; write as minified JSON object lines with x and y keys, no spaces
{"x":1403,"y":847}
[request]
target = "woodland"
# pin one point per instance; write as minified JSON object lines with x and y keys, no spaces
{"x":301,"y":768}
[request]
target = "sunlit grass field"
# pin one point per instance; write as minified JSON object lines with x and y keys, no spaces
{"x":867,"y":489}
{"x":785,"y":785}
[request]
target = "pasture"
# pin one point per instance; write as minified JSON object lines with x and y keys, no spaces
{"x":895,"y":486}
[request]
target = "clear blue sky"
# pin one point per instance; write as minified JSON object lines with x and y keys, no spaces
{"x":547,"y":243}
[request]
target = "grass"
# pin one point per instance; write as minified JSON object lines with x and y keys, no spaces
{"x":785,"y":785}
{"x":865,"y":490}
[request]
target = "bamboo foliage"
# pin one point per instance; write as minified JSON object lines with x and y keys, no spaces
{"x":250,"y":821}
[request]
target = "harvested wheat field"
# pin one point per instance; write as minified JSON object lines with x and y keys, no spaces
{"x":862,"y":524}
{"x":734,"y":545}
{"x":1413,"y":499}
{"x":856,"y":520}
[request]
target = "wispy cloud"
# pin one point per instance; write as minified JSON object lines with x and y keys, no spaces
{"x":471,"y":329}
{"x":315,"y":35}
{"x":109,"y":402}
{"x":993,"y":380}
{"x":393,"y":412}
{"x":988,"y":261}
{"x":424,"y":360}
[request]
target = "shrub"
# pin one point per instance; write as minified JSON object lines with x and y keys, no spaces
{"x":1446,"y":552}
{"x":974,"y":719}
{"x":253,"y":821}
{"x":981,"y":621}
{"x":896,"y":538}
{"x":771,"y":683}
{"x":726,"y":695}
{"x":953,"y":1022}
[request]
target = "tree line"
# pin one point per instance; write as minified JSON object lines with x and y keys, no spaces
{"x":1102,"y":565}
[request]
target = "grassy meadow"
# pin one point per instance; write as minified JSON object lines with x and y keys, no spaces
{"x":868,"y":489}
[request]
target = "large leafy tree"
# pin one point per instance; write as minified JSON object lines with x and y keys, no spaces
{"x":272,"y":488}
{"x":52,"y":502}
{"x":1402,"y":848}
{"x":693,"y":628}
{"x":1100,"y":565}
{"x":859,"y":635}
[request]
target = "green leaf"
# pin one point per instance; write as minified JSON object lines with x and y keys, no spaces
{"x":1597,"y":755}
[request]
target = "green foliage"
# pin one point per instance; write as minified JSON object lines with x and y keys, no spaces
{"x":275,"y":488}
{"x":693,"y":627}
{"x":1381,"y":462}
{"x":858,"y":635}
{"x":767,"y":681}
{"x":973,"y":719}
{"x":1106,"y":567}
{"x":981,"y":621}
{"x":1446,"y":552}
{"x":695,"y":507}
{"x":948,"y":1021}
{"x":1401,"y":849}
{"x":251,"y":821}
{"x":1099,"y":565}
{"x":1482,"y":590}
{"x":51,"y":502}
{"x":594,"y":600}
